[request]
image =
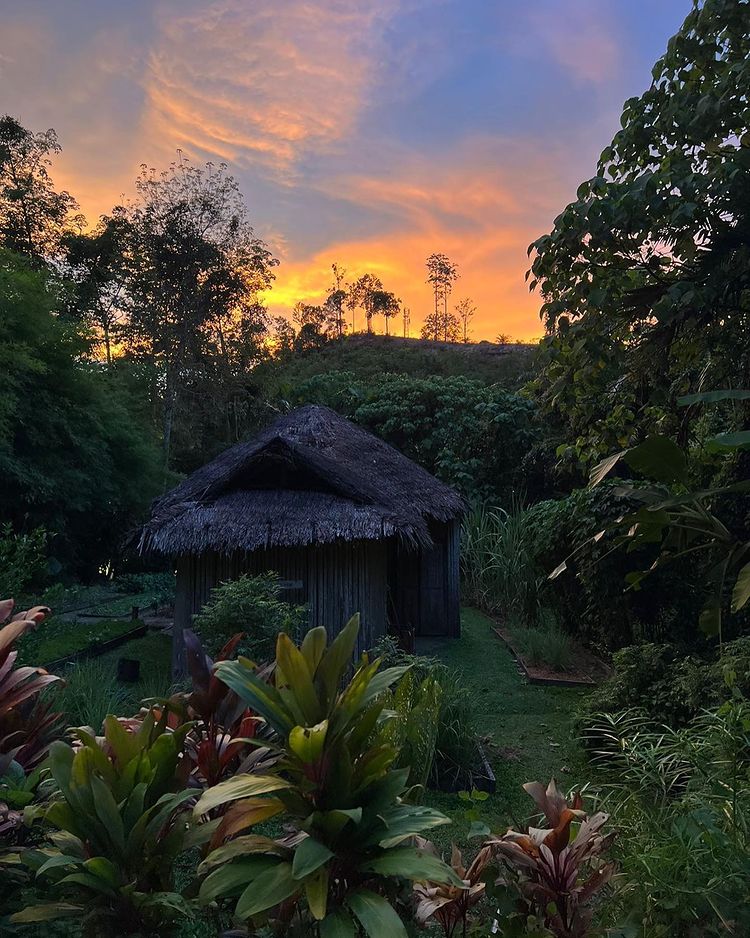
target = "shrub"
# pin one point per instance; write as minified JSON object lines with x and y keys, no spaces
{"x":119,"y":823}
{"x":159,"y":586}
{"x":22,"y":559}
{"x":455,"y":737}
{"x":681,"y":803}
{"x":590,"y":600}
{"x":27,"y":723}
{"x":668,"y":685}
{"x":251,"y":605}
{"x":335,"y":785}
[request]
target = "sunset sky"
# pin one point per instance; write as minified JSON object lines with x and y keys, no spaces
{"x":367,"y":133}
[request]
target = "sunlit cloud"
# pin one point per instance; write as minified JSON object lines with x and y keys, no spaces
{"x":263,"y":83}
{"x":370,"y":134}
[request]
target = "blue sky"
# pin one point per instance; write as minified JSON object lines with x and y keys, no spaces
{"x":367,"y":133}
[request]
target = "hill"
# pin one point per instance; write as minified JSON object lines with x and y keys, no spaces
{"x":372,"y":355}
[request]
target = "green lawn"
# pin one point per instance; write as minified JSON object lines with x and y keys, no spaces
{"x":528,"y":728}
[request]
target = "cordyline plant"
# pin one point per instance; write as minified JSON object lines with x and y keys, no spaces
{"x":119,"y":822}
{"x":27,"y":724}
{"x":449,"y":904}
{"x":222,"y":727}
{"x":557,"y":869}
{"x":335,"y":788}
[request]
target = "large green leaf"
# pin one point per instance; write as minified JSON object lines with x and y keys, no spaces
{"x":294,"y":681}
{"x":741,"y":591}
{"x":404,"y":821}
{"x":316,"y":892}
{"x":257,"y":694}
{"x":711,"y":397}
{"x":728,"y":442}
{"x":267,"y":890}
{"x":48,"y":912}
{"x":108,"y":813}
{"x":337,"y":658}
{"x":376,"y":915}
{"x":338,"y":924}
{"x":307,"y":742}
{"x":231,"y":879}
{"x":308,"y":856}
{"x":241,"y":786}
{"x":658,"y":458}
{"x":412,"y":863}
{"x":313,"y":647}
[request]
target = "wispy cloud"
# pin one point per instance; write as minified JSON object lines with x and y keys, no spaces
{"x":264,"y":83}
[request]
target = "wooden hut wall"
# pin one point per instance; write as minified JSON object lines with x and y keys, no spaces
{"x":424,"y":584}
{"x":334,"y":580}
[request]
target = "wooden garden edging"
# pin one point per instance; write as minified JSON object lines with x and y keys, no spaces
{"x":96,"y":649}
{"x":533,"y":676}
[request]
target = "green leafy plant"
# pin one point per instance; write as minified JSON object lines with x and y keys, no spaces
{"x":250,"y":605}
{"x":413,"y":729}
{"x":118,"y":823}
{"x":558,"y":868}
{"x":22,"y":559}
{"x":681,"y":803}
{"x":335,"y":785}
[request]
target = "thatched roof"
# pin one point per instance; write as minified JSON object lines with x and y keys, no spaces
{"x":312,"y":477}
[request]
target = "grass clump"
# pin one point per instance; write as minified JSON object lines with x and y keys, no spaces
{"x":544,"y":645}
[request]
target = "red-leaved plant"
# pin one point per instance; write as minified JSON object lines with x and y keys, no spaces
{"x":558,"y":868}
{"x":28,"y":725}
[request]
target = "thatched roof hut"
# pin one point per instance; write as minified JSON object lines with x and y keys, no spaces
{"x":348,"y":522}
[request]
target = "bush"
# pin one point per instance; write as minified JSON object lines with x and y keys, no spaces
{"x":590,"y":599}
{"x":668,"y":685}
{"x":160,"y":586}
{"x":22,"y":559}
{"x":249,"y":604}
{"x":455,"y":736}
{"x":681,"y":804}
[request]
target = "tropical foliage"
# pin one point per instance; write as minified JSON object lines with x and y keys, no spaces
{"x":336,"y":786}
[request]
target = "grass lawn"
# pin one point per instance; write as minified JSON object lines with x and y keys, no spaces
{"x":528,"y":728}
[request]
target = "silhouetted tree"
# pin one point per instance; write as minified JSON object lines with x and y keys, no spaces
{"x":194,"y":271}
{"x":465,"y":310}
{"x":361,"y":296}
{"x":33,"y":215}
{"x":442,"y":273}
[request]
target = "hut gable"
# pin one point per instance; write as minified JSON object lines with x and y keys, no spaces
{"x":313,"y":477}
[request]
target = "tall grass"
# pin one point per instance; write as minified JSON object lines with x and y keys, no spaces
{"x":91,"y":693}
{"x":497,"y":562}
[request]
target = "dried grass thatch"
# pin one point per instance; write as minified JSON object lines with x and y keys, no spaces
{"x":311,"y":478}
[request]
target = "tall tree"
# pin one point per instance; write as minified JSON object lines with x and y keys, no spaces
{"x":33,"y":214}
{"x":465,"y":310}
{"x":385,"y":304}
{"x":361,"y":297}
{"x":76,"y":454}
{"x":442,"y":273}
{"x":96,"y":268}
{"x":194,"y":272}
{"x":337,"y":298}
{"x":646,"y":276}
{"x":406,"y":315}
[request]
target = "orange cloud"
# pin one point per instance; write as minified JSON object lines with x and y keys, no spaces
{"x":263,"y":83}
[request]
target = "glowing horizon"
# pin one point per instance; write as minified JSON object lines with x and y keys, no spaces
{"x":370,"y":135}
